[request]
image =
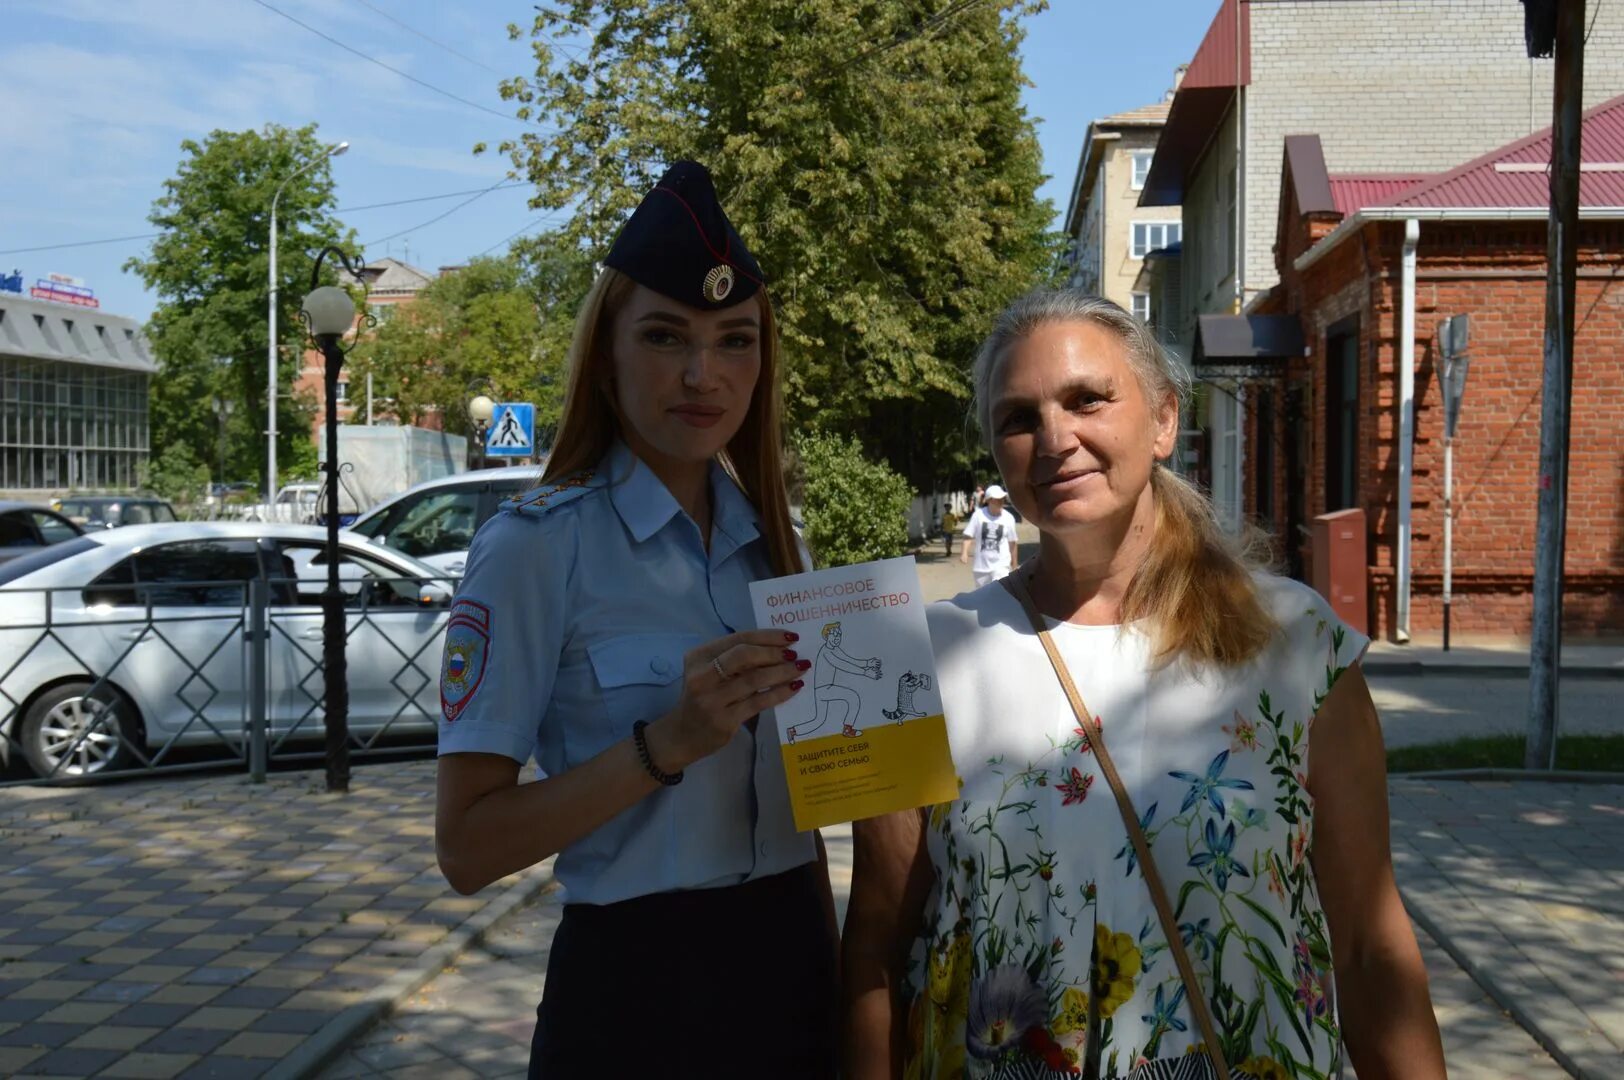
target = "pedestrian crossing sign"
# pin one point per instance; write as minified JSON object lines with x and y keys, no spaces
{"x":512,"y":432}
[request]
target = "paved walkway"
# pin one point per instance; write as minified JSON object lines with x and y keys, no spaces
{"x":206,"y":927}
{"x":1526,"y":880}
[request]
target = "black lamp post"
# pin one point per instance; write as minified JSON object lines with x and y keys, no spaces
{"x":480,"y":409}
{"x":329,"y":314}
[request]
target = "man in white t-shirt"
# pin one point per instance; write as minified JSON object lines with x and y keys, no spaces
{"x":990,"y":533}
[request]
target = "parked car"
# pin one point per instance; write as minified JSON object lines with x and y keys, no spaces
{"x":436,"y":521}
{"x":144,"y":637}
{"x":114,"y":511}
{"x":295,"y":505}
{"x":25,"y":527}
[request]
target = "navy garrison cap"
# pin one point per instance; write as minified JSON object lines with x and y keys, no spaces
{"x":679,"y":243}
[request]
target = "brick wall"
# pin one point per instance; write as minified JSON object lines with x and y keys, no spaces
{"x":1495,"y":274}
{"x":1397,"y":86}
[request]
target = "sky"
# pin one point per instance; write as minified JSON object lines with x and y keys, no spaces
{"x":99,"y":94}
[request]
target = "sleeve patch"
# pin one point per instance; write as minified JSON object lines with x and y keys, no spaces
{"x":467,"y":651}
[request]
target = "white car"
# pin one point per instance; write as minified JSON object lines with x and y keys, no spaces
{"x":295,"y":505}
{"x":436,"y":520}
{"x":141,"y":632}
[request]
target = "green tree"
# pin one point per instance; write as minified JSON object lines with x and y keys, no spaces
{"x":475,"y":329}
{"x":856,"y":509}
{"x":175,"y":474}
{"x":210,"y":267}
{"x":873,"y":153}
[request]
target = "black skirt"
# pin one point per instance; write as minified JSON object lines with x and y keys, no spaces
{"x":732,"y":982}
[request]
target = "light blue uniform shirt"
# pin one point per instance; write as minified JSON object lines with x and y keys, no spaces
{"x":577,"y":605}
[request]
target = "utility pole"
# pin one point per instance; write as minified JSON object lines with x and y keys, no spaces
{"x":1556,"y":392}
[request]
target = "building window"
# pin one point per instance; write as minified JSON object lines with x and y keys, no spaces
{"x":1151,"y":236}
{"x":343,"y":392}
{"x":1141,"y":167}
{"x":1141,"y":306}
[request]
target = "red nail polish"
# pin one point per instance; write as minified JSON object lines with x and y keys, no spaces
{"x":791,"y":636}
{"x":796,"y":685}
{"x":789,"y":654}
{"x":802,"y":665}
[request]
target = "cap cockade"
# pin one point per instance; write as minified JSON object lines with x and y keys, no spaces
{"x":680,"y":243}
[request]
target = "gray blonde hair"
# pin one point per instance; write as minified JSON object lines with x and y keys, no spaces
{"x":1195,"y":588}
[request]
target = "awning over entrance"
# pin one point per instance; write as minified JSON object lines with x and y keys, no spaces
{"x":1245,"y":346}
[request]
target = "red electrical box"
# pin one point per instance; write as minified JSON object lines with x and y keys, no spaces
{"x":1339,"y":564}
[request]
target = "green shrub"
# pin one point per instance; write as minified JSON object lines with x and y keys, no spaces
{"x":856,"y":509}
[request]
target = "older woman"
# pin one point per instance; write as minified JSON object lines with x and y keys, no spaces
{"x":1165,"y":894}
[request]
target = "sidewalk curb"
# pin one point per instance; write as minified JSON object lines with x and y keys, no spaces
{"x":329,"y":1041}
{"x":1375,"y":666}
{"x":1496,"y":992}
{"x":1539,"y":776}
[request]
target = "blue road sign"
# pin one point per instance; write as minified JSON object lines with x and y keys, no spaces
{"x":513,"y":430}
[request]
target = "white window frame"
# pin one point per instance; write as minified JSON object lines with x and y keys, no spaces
{"x":1139,"y":177}
{"x":1167,"y":238}
{"x":1141,"y":306}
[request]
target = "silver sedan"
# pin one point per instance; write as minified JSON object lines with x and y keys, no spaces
{"x":119,"y":646}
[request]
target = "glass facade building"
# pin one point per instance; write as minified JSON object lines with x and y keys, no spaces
{"x":73,"y":398}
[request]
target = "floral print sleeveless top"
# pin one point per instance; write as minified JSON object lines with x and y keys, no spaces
{"x":1041,"y":954}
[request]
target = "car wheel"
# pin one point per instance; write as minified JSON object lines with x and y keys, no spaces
{"x":73,"y":731}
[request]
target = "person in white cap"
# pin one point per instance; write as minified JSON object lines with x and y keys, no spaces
{"x":990,"y":533}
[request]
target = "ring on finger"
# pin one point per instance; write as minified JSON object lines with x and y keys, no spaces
{"x":716,"y":662}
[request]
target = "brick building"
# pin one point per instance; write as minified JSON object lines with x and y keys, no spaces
{"x":1323,"y":422}
{"x":1390,"y":86}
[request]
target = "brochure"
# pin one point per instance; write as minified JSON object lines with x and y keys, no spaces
{"x":867,"y":735}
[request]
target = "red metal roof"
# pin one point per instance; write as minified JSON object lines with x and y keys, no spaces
{"x":1355,"y":191}
{"x":1517,"y":174}
{"x":1214,"y":64}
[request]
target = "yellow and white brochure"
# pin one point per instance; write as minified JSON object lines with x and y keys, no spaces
{"x":866,"y":735}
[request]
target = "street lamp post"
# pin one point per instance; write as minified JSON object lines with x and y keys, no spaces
{"x":480,"y":410}
{"x":329,"y":314}
{"x":270,"y":362}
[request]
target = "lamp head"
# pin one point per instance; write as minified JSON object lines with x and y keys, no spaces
{"x":480,"y":409}
{"x":329,"y":311}
{"x":340,"y":148}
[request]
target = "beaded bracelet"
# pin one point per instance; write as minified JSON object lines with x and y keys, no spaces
{"x":641,"y":740}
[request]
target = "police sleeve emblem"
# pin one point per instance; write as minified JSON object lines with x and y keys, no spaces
{"x":467,"y":650}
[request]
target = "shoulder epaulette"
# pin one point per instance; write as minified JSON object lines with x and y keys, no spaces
{"x":550,"y":497}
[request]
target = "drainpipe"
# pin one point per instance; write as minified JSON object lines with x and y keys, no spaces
{"x":1406,"y":426}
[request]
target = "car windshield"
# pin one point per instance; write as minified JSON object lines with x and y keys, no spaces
{"x":39,"y":560}
{"x":84,"y":510}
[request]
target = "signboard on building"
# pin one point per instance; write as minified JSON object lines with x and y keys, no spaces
{"x":12,"y":284}
{"x":64,"y":289}
{"x":513,"y":430}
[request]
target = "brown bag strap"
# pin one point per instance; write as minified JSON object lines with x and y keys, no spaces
{"x":1136,"y":833}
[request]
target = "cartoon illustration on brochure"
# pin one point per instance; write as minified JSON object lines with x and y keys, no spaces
{"x":837,"y":698}
{"x":828,"y":689}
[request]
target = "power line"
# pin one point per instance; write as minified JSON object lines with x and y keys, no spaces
{"x":439,"y":217}
{"x":386,"y":67}
{"x":518,"y":233}
{"x":340,"y":210}
{"x":439,"y":44}
{"x":430,"y":198}
{"x":79,"y":244}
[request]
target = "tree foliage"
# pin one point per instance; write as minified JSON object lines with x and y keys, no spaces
{"x":476,"y":329}
{"x":874,"y":154}
{"x":175,"y":474}
{"x":210,"y":267}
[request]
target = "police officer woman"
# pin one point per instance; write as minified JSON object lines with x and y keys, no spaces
{"x":603,"y":626}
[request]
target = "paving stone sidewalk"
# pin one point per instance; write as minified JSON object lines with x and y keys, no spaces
{"x":1525,"y":880}
{"x":205,"y":927}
